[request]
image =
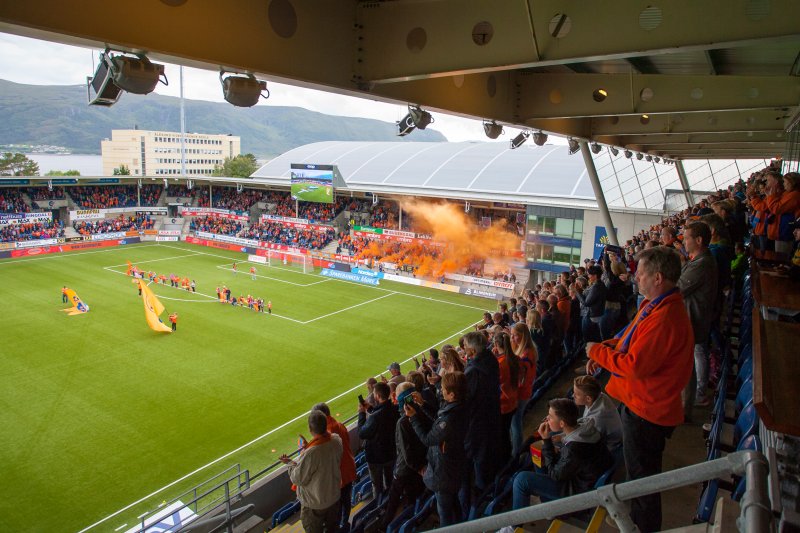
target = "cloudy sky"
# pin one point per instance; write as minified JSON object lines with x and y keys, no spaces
{"x":24,"y":60}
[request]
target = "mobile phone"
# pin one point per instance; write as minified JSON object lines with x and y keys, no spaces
{"x":361,"y":399}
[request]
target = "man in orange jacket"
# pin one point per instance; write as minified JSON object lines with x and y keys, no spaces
{"x":651,"y":362}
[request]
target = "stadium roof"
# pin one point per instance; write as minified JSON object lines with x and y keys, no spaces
{"x":543,"y":175}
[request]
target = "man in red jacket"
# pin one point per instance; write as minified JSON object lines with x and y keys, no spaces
{"x":651,"y":363}
{"x":348,"y":465}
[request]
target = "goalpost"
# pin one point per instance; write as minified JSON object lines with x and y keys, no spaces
{"x":291,"y":259}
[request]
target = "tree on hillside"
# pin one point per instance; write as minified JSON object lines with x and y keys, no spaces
{"x":63,"y":173}
{"x":122,"y":170}
{"x":17,"y":165}
{"x":241,"y":166}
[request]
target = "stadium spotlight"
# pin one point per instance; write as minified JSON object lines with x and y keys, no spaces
{"x":573,"y":146}
{"x":416,"y":118}
{"x":539,"y":138}
{"x":518,"y":141}
{"x":242,"y":90}
{"x":614,"y":150}
{"x":117,"y":73}
{"x":657,"y":159}
{"x":648,"y":158}
{"x":628,"y":154}
{"x":639,"y":156}
{"x":492,"y":129}
{"x":596,"y":148}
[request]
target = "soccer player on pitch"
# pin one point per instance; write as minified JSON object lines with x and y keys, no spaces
{"x":253,"y":273}
{"x":234,"y":268}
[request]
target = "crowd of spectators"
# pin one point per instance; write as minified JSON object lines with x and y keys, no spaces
{"x":11,"y":201}
{"x":31,"y":231}
{"x":38,"y":194}
{"x":216,"y":224}
{"x":111,"y":196}
{"x":273,"y":232}
{"x":113,"y":225}
{"x":229,"y":198}
{"x":180,"y":191}
{"x":457,"y":417}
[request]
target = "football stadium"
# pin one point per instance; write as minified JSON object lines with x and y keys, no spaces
{"x":590,"y":326}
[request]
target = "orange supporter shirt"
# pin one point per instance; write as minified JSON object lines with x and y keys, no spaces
{"x":348,"y":464}
{"x":508,"y":390}
{"x":651,"y":375}
{"x":764,"y":207}
{"x":564,"y":305}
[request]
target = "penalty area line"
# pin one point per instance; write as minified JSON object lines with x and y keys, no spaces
{"x":255,"y":440}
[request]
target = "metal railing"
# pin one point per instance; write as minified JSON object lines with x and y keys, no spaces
{"x":755,"y":510}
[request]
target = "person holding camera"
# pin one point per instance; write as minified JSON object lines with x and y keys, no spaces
{"x":444,"y":438}
{"x":376,"y":427}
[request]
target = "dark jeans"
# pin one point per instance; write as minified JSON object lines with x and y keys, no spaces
{"x":527,"y":484}
{"x":381,"y":477}
{"x":591,"y":330}
{"x":643,"y":449}
{"x":319,"y":520}
{"x":345,"y":504}
{"x":479,"y":475}
{"x":448,"y":508}
{"x":505,"y":438}
{"x":406,"y":488}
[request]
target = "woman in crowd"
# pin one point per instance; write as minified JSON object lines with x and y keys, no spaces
{"x":509,"y":386}
{"x":523,"y":347}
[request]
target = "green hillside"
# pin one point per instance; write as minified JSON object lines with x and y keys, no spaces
{"x":59,"y":115}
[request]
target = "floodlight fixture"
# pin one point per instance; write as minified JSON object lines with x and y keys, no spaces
{"x":596,"y":148}
{"x":492,"y":129}
{"x":648,"y":158}
{"x":117,"y":73}
{"x":614,"y":150}
{"x":628,"y":154}
{"x":573,"y":146}
{"x":639,"y":156}
{"x":416,"y":118}
{"x":242,"y":90}
{"x":518,"y":141}
{"x":539,"y":138}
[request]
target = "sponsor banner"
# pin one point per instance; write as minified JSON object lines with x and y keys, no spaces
{"x":5,"y":181}
{"x":40,"y":250}
{"x":77,"y":239}
{"x":297,"y":223}
{"x":101,"y":181}
{"x":166,"y":239}
{"x":402,"y":279}
{"x":367,"y":229}
{"x":86,"y":214}
{"x":344,"y":258}
{"x":348,"y":276}
{"x":113,"y":235}
{"x":227,"y":238}
{"x":214,"y":244}
{"x":38,"y":242}
{"x":148,"y":232}
{"x":440,"y":286}
{"x":480,"y":293}
{"x":24,"y":218}
{"x":367,"y":272}
{"x":5,"y":254}
{"x":334,"y":265}
{"x":52,"y":204}
{"x":257,"y":259}
{"x":282,"y":248}
{"x":480,"y":281}
{"x":600,"y":240}
{"x":169,"y":233}
{"x":204,"y":211}
{"x":395,"y":233}
{"x":145,"y":210}
{"x":7,"y":245}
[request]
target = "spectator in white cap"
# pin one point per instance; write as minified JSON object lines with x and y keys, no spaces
{"x":397,"y":377}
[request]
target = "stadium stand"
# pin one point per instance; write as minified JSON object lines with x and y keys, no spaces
{"x":121,"y":223}
{"x":97,"y":197}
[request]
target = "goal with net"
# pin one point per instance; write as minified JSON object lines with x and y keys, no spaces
{"x":293,"y":260}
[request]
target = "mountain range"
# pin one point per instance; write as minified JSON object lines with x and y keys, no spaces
{"x":59,"y":115}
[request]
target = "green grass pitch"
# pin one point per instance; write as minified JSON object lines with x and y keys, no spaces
{"x":312,"y":192}
{"x":97,"y":411}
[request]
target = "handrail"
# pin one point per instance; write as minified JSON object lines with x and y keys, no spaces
{"x":755,"y":515}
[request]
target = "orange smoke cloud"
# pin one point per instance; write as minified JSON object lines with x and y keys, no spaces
{"x":459,"y":241}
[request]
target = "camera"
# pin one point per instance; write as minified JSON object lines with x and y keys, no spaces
{"x":610,"y":248}
{"x":409,"y":400}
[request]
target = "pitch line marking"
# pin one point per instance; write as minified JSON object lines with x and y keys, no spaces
{"x":348,"y":308}
{"x":72,"y":254}
{"x":350,"y":282}
{"x":255,"y":440}
{"x":243,"y":273}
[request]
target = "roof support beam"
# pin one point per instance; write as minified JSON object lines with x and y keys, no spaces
{"x":445,"y":37}
{"x":598,"y":192}
{"x":687,"y":191}
{"x":545,"y":96}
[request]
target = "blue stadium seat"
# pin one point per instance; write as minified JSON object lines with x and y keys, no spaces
{"x":745,"y":373}
{"x":285,"y":512}
{"x":410,"y":525}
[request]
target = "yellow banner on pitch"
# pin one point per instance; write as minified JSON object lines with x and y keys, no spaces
{"x":152,"y":308}
{"x":78,"y":307}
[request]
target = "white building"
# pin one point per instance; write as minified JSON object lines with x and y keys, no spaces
{"x":158,"y":153}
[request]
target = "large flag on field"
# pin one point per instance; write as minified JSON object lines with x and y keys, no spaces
{"x":78,"y":307}
{"x":152,"y":308}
